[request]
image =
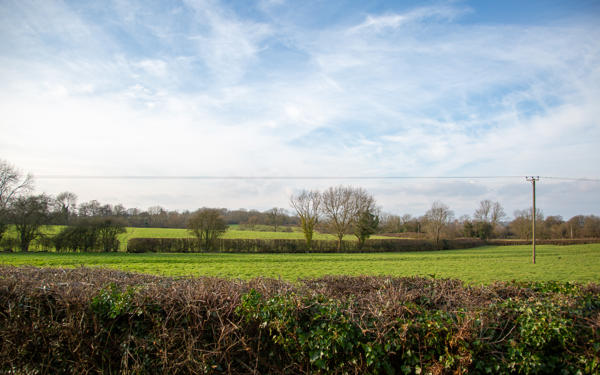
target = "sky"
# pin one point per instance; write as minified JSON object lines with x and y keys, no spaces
{"x":281,"y":88}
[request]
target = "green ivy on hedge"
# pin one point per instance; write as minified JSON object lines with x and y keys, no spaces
{"x":106,"y":321}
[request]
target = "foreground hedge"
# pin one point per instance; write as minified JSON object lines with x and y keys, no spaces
{"x":101,"y":321}
{"x":186,"y":245}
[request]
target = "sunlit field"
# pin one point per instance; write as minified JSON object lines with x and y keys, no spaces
{"x":232,"y":232}
{"x":579,"y":263}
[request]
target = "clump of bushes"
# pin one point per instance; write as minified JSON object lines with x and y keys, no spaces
{"x":8,"y":243}
{"x":93,"y":234}
{"x":186,"y":245}
{"x":95,"y":320}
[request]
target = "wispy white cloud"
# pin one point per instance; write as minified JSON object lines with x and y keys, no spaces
{"x":229,"y":45}
{"x":379,"y":23}
{"x":395,"y":93}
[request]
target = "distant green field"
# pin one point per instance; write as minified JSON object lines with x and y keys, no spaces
{"x":232,"y":232}
{"x":479,"y":265}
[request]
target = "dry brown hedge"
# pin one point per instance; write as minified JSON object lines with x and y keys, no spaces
{"x":89,"y":320}
{"x":47,"y":325}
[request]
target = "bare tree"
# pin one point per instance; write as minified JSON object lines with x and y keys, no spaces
{"x":207,"y":224}
{"x":108,"y":230}
{"x":275,"y":216}
{"x":391,"y":223}
{"x":340,"y":206}
{"x":436,"y":219}
{"x":252,"y":222}
{"x":307,"y":204}
{"x":498,"y":214}
{"x":553,"y":226}
{"x":91,"y":208}
{"x":483,"y":213}
{"x":157,"y":216}
{"x":591,"y":227}
{"x":521,"y":225}
{"x":29,"y":214}
{"x":119,"y":210}
{"x":365,"y":202}
{"x":575,"y":226}
{"x":396,"y":224}
{"x":344,"y":207}
{"x":64,"y":205}
{"x":489,"y":212}
{"x":482,"y":225}
{"x":12,"y":184}
{"x":487,"y":217}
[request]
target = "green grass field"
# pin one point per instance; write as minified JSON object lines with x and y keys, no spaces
{"x":232,"y":232}
{"x":480,"y":265}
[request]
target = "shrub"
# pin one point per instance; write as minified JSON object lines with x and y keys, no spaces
{"x":184,"y":245}
{"x":94,"y":320}
{"x":9,"y":243}
{"x":96,"y":234}
{"x":207,"y":224}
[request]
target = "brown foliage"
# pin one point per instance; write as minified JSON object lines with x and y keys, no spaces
{"x":190,"y":322}
{"x":48,"y":322}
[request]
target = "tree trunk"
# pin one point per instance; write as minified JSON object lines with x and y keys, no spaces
{"x":308,"y":237}
{"x":570,"y":226}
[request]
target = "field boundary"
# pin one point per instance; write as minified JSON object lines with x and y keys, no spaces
{"x":560,"y":242}
{"x":90,"y":320}
{"x":225,"y":245}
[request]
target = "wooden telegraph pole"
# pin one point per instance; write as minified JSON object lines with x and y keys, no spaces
{"x":533,"y":179}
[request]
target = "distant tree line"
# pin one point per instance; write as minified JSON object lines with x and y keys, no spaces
{"x":339,"y":210}
{"x":159,"y":217}
{"x":490,"y":221}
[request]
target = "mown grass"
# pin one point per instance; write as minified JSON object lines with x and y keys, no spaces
{"x":579,"y":263}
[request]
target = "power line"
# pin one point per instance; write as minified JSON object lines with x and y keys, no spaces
{"x":150,"y":177}
{"x":571,"y":178}
{"x":204,"y":177}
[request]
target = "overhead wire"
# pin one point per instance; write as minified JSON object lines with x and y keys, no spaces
{"x":209,"y":177}
{"x":571,"y":178}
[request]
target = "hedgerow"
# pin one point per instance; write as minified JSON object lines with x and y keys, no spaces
{"x":101,"y":321}
{"x":560,"y":242}
{"x":186,"y":245}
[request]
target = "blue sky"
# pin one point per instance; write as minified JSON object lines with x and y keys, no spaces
{"x":305,"y":88}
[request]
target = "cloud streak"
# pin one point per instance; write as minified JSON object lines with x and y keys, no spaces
{"x":206,"y":88}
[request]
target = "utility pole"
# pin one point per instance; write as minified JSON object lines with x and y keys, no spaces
{"x":533,"y":179}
